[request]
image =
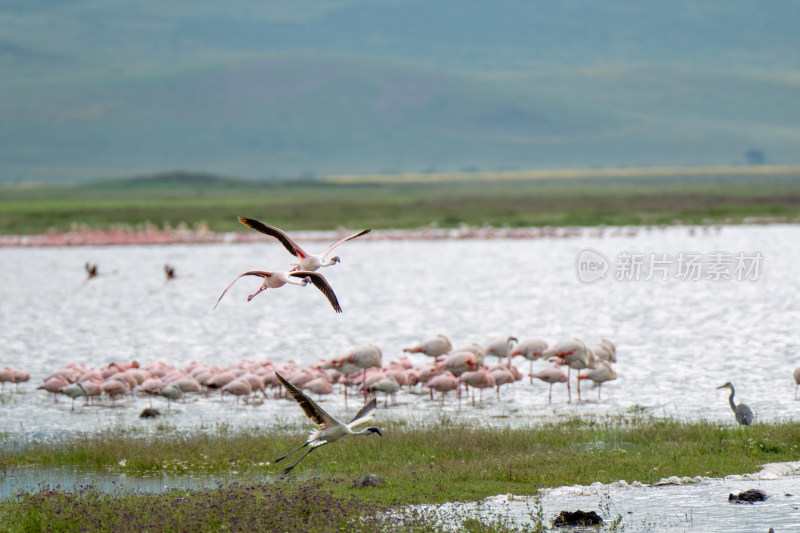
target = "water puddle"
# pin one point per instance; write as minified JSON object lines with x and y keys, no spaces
{"x":14,"y":481}
{"x":674,"y":504}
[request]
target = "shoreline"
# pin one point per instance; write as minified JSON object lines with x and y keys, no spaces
{"x":153,"y":236}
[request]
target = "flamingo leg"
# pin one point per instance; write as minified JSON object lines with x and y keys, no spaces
{"x":569,"y":388}
{"x":289,"y":469}
{"x":261,"y":288}
{"x":550,"y":396}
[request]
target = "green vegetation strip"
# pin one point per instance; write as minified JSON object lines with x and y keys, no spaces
{"x":421,"y":464}
{"x":321,"y":205}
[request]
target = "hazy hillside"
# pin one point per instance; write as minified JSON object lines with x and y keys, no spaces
{"x":289,"y":89}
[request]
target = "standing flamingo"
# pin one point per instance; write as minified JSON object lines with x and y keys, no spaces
{"x":363,"y":357}
{"x":478,"y":379}
{"x":307,"y":262}
{"x":600,"y":375}
{"x":796,"y":375}
{"x":443,"y":383}
{"x":501,"y":347}
{"x":567,"y":352}
{"x":273,"y":280}
{"x":530,"y":349}
{"x":552,"y":374}
{"x":433,"y":347}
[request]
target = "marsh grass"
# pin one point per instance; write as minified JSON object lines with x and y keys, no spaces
{"x":320,"y":205}
{"x":442,"y":462}
{"x":421,"y":464}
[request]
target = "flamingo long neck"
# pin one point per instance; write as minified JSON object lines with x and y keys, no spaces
{"x":730,"y":400}
{"x":364,"y":431}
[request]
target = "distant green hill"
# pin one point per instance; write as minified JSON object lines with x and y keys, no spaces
{"x":275,"y":89}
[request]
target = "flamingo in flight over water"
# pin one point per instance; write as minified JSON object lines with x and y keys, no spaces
{"x":273,"y":280}
{"x":307,"y":262}
{"x":330,"y":429}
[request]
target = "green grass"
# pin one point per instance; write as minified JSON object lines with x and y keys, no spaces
{"x":319,"y":204}
{"x":447,"y":462}
{"x":420,"y":464}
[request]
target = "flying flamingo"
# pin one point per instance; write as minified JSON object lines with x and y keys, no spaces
{"x":307,"y":262}
{"x":273,"y":280}
{"x":329,"y":429}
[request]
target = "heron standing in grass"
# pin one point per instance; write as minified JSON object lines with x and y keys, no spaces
{"x":743,"y":413}
{"x":330,"y":430}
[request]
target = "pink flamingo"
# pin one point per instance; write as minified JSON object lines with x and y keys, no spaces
{"x":501,"y":347}
{"x":54,"y":385}
{"x":114,"y":388}
{"x":433,"y":347}
{"x":6,"y":376}
{"x":552,"y":374}
{"x":319,"y":386}
{"x":796,"y":375}
{"x":444,"y":383}
{"x":273,"y":280}
{"x":567,"y":352}
{"x":238,"y":387}
{"x":600,"y":375}
{"x":530,"y":349}
{"x":459,"y":362}
{"x":363,"y":357}
{"x":502,"y":376}
{"x":307,"y":262}
{"x":478,"y":379}
{"x":19,"y":376}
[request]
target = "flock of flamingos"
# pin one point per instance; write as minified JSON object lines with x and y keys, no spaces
{"x":359,"y":371}
{"x":362,"y":369}
{"x":463,"y":370}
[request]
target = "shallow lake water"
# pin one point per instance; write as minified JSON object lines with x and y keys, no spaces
{"x":699,"y":505}
{"x":677,"y":339}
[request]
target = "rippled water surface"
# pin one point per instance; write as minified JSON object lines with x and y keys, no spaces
{"x":677,"y":340}
{"x":700,"y":506}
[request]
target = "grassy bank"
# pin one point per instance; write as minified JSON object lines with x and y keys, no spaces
{"x":606,"y":198}
{"x":430,"y":464}
{"x":446,"y":462}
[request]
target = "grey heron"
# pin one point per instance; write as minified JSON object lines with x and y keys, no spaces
{"x":309,"y":262}
{"x":329,"y":430}
{"x":743,"y":413}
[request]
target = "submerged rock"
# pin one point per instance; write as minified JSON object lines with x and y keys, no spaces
{"x":368,"y":481}
{"x":577,"y":518}
{"x":748,"y":496}
{"x":149,"y":412}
